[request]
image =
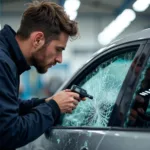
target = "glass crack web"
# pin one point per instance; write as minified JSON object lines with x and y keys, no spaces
{"x":103,"y":84}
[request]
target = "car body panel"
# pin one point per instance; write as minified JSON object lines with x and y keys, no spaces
{"x":137,"y":36}
{"x":119,"y":140}
{"x":126,"y":140}
{"x":109,"y":136}
{"x":97,"y":139}
{"x":91,"y":139}
{"x":75,"y":139}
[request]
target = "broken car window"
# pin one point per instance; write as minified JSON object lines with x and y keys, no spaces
{"x":104,"y":84}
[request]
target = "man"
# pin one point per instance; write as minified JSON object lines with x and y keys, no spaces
{"x":39,"y":42}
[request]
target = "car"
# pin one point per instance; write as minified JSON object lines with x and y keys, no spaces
{"x":118,"y":116}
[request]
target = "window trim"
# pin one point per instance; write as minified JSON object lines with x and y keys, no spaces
{"x":130,"y":129}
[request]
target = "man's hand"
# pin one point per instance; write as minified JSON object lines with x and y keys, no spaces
{"x":66,"y":100}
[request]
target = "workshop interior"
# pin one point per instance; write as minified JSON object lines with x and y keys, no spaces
{"x":100,"y":22}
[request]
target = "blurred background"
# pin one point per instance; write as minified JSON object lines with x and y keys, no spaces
{"x":100,"y":22}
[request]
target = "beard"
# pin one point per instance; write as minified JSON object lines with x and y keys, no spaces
{"x":38,"y":63}
{"x":39,"y":67}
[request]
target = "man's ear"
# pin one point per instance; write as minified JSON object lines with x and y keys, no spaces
{"x":38,"y":39}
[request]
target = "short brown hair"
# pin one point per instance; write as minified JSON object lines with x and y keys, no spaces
{"x":48,"y":17}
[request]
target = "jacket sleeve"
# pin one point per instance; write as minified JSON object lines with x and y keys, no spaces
{"x":16,"y":130}
{"x":26,"y":105}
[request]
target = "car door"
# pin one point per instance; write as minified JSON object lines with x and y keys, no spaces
{"x":134,"y":110}
{"x":104,"y":77}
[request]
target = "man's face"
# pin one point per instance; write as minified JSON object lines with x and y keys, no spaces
{"x":49,"y":54}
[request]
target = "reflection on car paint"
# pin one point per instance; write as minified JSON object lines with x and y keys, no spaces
{"x":76,"y":140}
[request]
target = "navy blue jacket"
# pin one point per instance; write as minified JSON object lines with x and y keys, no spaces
{"x":20,"y":121}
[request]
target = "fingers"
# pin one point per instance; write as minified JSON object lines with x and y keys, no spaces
{"x":75,"y":102}
{"x":71,"y":107}
{"x":67,"y":100}
{"x":75,"y":95}
{"x":67,"y":90}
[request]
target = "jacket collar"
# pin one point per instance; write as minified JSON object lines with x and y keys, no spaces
{"x":13,"y":47}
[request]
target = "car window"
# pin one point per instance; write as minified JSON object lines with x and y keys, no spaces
{"x":104,"y":84}
{"x":139,"y":111}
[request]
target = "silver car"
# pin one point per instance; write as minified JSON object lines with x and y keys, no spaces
{"x":118,"y":116}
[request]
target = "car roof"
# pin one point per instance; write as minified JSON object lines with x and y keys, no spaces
{"x":137,"y":36}
{"x":140,"y":35}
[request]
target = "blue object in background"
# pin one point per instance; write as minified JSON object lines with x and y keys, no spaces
{"x":33,"y":83}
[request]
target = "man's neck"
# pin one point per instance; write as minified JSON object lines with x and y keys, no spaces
{"x":25,"y":48}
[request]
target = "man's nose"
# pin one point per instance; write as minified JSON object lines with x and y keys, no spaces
{"x":59,"y":58}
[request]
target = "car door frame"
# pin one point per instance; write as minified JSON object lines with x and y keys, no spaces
{"x":128,"y":93}
{"x":83,"y":132}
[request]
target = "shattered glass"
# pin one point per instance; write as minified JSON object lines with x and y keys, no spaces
{"x":104,"y":84}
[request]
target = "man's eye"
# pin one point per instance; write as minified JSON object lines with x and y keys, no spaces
{"x":59,"y":50}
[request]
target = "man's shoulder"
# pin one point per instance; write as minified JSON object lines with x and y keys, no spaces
{"x":5,"y":57}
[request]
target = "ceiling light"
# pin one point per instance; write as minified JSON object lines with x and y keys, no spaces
{"x":72,"y":14}
{"x":72,"y":5}
{"x":116,"y":26}
{"x":141,"y":5}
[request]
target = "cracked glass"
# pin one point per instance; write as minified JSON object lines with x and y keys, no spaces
{"x":104,"y":84}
